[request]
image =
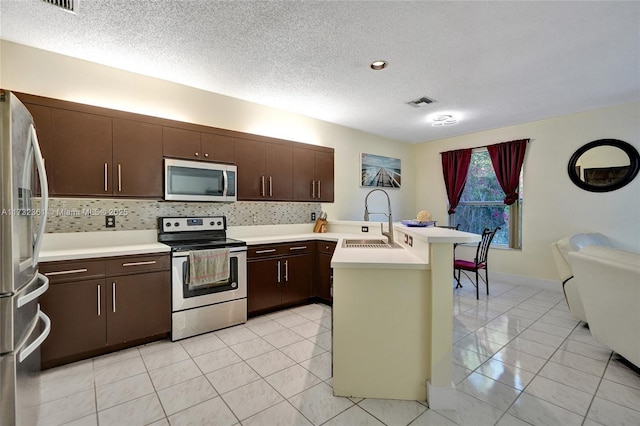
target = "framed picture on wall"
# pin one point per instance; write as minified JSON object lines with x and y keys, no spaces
{"x":381,"y":171}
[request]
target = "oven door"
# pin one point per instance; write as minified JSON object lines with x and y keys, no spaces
{"x":235,"y":288}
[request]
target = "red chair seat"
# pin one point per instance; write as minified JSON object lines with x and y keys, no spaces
{"x":467,"y":265}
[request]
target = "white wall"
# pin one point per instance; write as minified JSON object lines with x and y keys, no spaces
{"x":38,"y":72}
{"x":553,"y":206}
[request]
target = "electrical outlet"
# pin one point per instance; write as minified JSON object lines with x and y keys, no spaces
{"x":365,"y":229}
{"x":313,"y":216}
{"x":110,"y":221}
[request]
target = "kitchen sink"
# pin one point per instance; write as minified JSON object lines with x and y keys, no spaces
{"x":368,"y":243}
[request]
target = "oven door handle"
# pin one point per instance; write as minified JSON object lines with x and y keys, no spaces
{"x":185,"y":271}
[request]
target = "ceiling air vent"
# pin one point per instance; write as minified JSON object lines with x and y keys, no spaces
{"x":421,"y":102}
{"x":68,"y":5}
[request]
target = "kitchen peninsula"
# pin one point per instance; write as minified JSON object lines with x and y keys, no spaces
{"x":392,"y":318}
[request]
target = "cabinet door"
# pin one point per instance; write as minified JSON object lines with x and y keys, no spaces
{"x":138,"y":306}
{"x":323,"y":277}
{"x":263,"y":291}
{"x":137,"y":159}
{"x":279,"y":172}
{"x":217,"y":148}
{"x":181,"y":143}
{"x":78,"y":318}
{"x":298,"y":276}
{"x":81,"y":155}
{"x":304,"y":175}
{"x":250,"y":160}
{"x":324,"y":176}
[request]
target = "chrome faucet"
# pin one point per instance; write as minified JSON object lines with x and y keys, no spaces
{"x":389,"y":234}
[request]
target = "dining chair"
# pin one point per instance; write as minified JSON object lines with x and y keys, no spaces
{"x":478,"y":263}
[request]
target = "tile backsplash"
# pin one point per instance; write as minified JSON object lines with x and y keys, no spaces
{"x":85,"y":215}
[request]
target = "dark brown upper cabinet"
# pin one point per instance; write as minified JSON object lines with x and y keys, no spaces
{"x":81,"y":162}
{"x":313,"y":175}
{"x":265,"y":170}
{"x":137,"y":159}
{"x":91,"y":151}
{"x":194,"y":145}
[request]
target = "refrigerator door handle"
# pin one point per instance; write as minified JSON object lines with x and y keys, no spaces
{"x":24,"y":353}
{"x":44,"y":192}
{"x":23,"y":300}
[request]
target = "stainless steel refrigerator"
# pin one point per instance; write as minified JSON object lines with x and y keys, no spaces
{"x":23,"y":326}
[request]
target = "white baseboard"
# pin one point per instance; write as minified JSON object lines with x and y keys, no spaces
{"x":524,"y":280}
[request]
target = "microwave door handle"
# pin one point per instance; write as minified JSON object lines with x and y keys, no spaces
{"x":44,"y":193}
{"x":226,"y":183}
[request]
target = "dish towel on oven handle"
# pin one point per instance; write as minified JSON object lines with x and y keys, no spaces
{"x":208,"y":267}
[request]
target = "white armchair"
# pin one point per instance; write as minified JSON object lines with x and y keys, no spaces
{"x":608,"y":282}
{"x":560,"y":251}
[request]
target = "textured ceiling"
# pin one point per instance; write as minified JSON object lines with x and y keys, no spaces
{"x":490,"y":64}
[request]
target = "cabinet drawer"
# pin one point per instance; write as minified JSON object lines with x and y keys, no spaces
{"x":326,"y":247}
{"x":135,"y":264}
{"x":67,"y":271}
{"x":269,"y":250}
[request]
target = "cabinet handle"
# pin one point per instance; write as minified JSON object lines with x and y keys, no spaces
{"x":98,"y":299}
{"x":286,"y":270}
{"x":113,"y":295}
{"x":206,"y":155}
{"x":119,"y":178}
{"x":270,"y":187}
{"x":106,"y":173}
{"x":147,"y":262}
{"x":197,"y":154}
{"x":262,"y":193}
{"x":278,"y":271}
{"x":298,"y":248}
{"x":70,"y":271}
{"x":265,"y":251}
{"x":313,"y":189}
{"x":318,"y":189}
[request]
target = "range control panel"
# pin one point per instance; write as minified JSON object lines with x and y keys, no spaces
{"x":182,"y":224}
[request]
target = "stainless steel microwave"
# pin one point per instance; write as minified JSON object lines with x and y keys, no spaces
{"x":186,"y":180}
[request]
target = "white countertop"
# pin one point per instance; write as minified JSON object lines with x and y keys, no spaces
{"x":84,"y":245}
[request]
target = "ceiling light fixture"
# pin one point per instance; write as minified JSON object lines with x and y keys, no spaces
{"x":443,"y":120}
{"x":378,"y":65}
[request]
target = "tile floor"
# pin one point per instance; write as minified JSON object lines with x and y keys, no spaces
{"x":519,"y":358}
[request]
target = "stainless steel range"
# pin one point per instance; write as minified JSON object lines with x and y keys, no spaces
{"x":203,"y":308}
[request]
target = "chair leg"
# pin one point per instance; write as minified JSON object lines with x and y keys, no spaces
{"x":486,"y":276}
{"x":457,"y":278}
{"x":477,"y":286}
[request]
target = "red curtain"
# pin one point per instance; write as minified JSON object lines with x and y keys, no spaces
{"x":455,"y":165}
{"x":507,"y":159}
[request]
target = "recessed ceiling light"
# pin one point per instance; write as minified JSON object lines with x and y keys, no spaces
{"x":378,"y":65}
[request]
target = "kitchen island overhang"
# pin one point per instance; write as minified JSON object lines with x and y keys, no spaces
{"x":393,"y":318}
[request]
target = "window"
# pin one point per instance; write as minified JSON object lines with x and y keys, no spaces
{"x":482,"y":206}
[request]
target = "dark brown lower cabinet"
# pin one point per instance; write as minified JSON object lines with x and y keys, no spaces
{"x":138,"y":306}
{"x":279,"y":275}
{"x":77,"y":312}
{"x":96,"y":306}
{"x":324,"y":275}
{"x":263,"y":290}
{"x":297,"y":283}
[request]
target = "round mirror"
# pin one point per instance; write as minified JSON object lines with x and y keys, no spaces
{"x":604,"y":165}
